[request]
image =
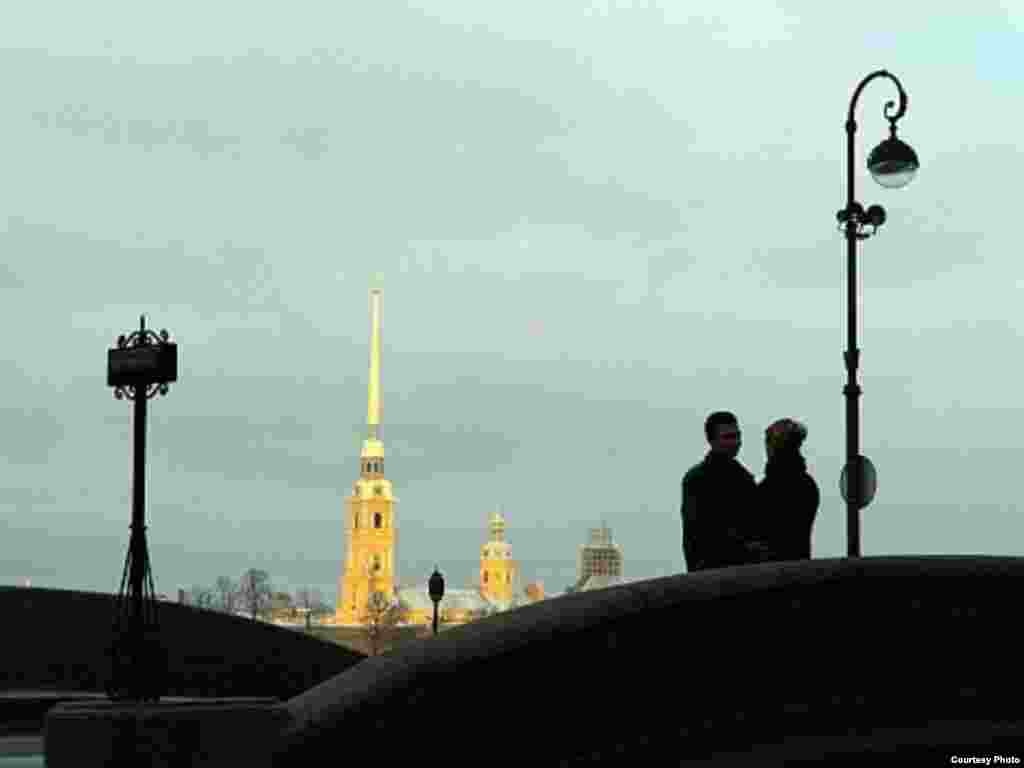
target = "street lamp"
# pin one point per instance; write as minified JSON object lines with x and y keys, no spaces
{"x":892,"y":164}
{"x":436,"y":588}
{"x":142,"y":366}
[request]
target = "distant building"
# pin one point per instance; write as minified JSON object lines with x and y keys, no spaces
{"x":494,"y":593}
{"x":599,"y":557}
{"x":456,"y":607}
{"x":371,"y":530}
{"x":498,"y":570}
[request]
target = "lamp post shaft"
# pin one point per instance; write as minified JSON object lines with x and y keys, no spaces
{"x":435,"y":618}
{"x":852,"y":392}
{"x":137,"y":544}
{"x":852,"y":357}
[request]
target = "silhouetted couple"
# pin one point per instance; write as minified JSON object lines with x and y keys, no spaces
{"x":729,"y":519}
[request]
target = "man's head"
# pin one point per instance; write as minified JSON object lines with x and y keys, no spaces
{"x":723,"y":433}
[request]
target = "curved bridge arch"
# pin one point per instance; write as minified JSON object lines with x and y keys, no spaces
{"x":766,"y":664}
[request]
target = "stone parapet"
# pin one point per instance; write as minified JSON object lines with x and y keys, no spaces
{"x":169,"y":734}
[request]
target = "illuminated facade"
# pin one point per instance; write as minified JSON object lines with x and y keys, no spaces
{"x":371,"y":534}
{"x":495,"y":592}
{"x":497,"y":568}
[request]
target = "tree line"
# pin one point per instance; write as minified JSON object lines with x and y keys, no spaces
{"x":254,"y":595}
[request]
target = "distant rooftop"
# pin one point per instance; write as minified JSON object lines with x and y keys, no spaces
{"x":600,"y":537}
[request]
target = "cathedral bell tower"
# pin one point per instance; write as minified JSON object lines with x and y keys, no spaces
{"x":370,"y":507}
{"x":497,"y":568}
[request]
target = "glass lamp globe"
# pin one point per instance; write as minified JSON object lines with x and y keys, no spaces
{"x":893,"y":163}
{"x":435,"y":586}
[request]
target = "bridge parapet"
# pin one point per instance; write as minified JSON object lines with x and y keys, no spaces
{"x":783,"y":659}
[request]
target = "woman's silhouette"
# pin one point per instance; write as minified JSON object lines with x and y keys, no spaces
{"x":787,"y":497}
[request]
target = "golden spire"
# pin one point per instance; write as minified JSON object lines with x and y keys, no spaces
{"x":373,"y":408}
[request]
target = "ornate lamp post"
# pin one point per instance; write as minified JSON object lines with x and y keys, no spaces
{"x":436,"y":588}
{"x":892,"y":164}
{"x":142,"y":366}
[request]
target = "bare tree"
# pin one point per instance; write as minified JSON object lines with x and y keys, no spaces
{"x":382,"y":616}
{"x":226,"y":594}
{"x":304,"y":602}
{"x":310,"y":603}
{"x":201,"y":597}
{"x":320,"y":608}
{"x":254,"y":591}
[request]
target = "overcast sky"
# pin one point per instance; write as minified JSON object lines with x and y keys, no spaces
{"x":594,"y":223}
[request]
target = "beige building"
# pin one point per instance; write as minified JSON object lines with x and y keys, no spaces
{"x":599,"y":557}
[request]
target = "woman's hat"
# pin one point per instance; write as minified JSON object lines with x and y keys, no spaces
{"x":786,"y":433}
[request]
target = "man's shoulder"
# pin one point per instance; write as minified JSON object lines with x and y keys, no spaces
{"x":695,"y":472}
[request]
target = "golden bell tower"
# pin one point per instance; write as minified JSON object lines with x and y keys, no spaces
{"x":370,"y":508}
{"x":497,"y":568}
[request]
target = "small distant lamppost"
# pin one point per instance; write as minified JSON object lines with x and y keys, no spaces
{"x":436,"y":589}
{"x":142,"y":366}
{"x":892,"y":164}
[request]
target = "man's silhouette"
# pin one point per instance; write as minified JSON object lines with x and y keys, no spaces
{"x":718,"y":498}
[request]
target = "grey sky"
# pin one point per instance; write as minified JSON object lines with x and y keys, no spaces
{"x":595,"y":224}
